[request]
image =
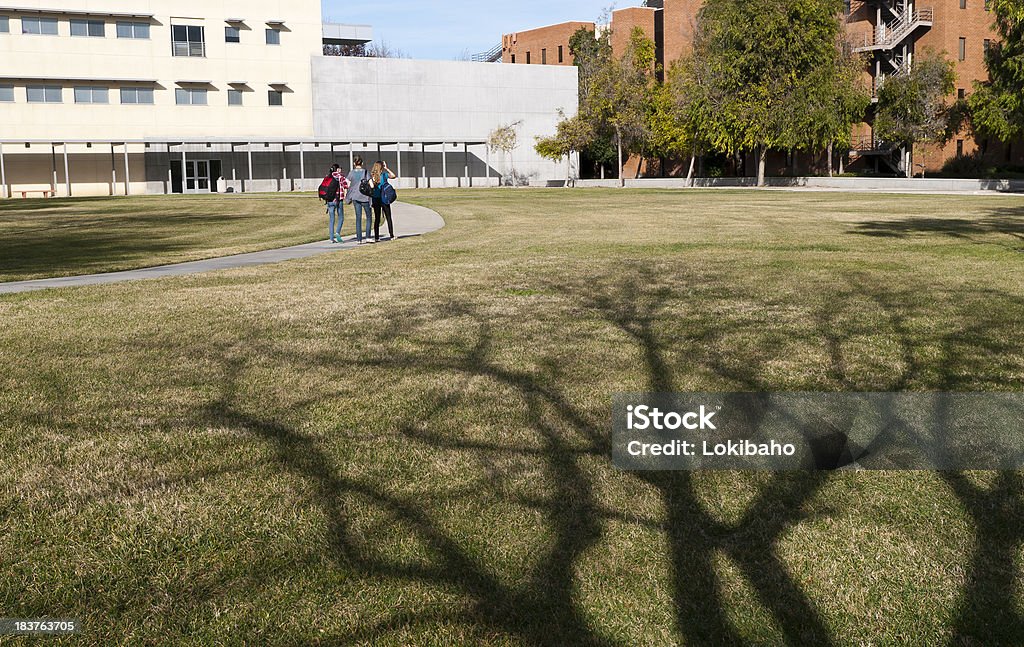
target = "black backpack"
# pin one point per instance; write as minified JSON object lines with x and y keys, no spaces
{"x":364,"y":184}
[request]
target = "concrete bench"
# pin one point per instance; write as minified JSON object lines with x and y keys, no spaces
{"x":46,"y":193}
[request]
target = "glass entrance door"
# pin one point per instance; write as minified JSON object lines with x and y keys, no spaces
{"x":197,"y":176}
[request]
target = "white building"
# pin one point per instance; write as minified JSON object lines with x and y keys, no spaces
{"x":112,"y":97}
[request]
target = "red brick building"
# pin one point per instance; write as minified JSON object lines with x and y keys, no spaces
{"x":888,"y":33}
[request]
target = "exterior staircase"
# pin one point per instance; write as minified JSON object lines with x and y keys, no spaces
{"x":887,"y":36}
{"x":492,"y":55}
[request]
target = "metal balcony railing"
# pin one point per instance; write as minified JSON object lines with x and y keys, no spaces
{"x":182,"y":48}
{"x":889,"y":35}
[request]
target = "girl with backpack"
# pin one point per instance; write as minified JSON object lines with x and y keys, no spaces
{"x":332,"y":191}
{"x":360,"y":201}
{"x":381,"y":175}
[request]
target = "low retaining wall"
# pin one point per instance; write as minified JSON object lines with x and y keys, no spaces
{"x":923,"y":185}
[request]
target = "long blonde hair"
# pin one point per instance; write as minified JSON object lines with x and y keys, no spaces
{"x":376,"y":172}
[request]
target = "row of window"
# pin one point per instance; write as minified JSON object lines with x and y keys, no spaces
{"x":129,"y":96}
{"x":543,"y":56}
{"x":962,"y":54}
{"x":186,"y":40}
{"x":92,"y":28}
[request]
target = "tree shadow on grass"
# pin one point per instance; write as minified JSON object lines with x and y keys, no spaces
{"x":544,"y":607}
{"x":1007,"y":221}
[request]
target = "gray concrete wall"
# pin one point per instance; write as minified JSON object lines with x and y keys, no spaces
{"x":900,"y":185}
{"x":394,"y":100}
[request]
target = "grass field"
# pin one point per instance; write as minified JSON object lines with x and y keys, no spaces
{"x":409,"y":443}
{"x":47,"y":238}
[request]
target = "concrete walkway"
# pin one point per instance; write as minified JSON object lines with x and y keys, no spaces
{"x":410,"y":220}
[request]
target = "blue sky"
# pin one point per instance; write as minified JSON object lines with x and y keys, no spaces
{"x":443,"y":30}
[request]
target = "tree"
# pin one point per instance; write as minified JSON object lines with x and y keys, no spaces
{"x":506,"y":139}
{"x":997,"y":105}
{"x":772,"y":74}
{"x":591,"y":51}
{"x":619,"y":99}
{"x":365,"y":50}
{"x":573,"y":135}
{"x":912,"y":107}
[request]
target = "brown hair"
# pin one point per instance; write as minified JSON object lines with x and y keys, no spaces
{"x":378,"y":168}
{"x":358,"y":161}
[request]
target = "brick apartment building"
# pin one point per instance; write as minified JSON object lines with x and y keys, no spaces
{"x":888,"y":33}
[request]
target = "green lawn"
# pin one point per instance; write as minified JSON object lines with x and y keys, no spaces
{"x":47,"y":238}
{"x":409,"y":443}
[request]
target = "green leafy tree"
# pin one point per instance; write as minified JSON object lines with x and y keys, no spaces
{"x":772,"y":74}
{"x":997,"y":105}
{"x":913,"y":107}
{"x":591,"y":51}
{"x":573,"y":135}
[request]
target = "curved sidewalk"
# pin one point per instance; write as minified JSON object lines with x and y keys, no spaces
{"x":410,"y":220}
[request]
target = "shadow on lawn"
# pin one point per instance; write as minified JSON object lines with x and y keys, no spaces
{"x":543,"y":609}
{"x":1008,"y":221}
{"x":71,"y":247}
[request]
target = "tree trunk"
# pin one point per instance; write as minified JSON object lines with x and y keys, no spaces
{"x":830,"y":154}
{"x":762,"y":158}
{"x":618,"y":143}
{"x":908,"y":163}
{"x":841,"y":171}
{"x":689,"y":173}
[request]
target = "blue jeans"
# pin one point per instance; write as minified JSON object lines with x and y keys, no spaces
{"x":336,"y":211}
{"x":362,"y":208}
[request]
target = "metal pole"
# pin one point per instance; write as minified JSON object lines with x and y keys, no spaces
{"x":248,"y":150}
{"x":127,"y":172}
{"x":4,"y":193}
{"x":302,"y":167}
{"x":67,"y":175}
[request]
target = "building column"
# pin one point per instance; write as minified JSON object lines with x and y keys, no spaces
{"x":444,"y":165}
{"x":234,"y":174}
{"x":53,"y":166}
{"x":248,"y":151}
{"x":302,"y":166}
{"x":4,"y":193}
{"x":487,"y":162}
{"x":465,"y":149}
{"x":127,"y":172}
{"x":423,"y":161}
{"x":398,"y":151}
{"x":184,"y":171}
{"x":67,"y":173}
{"x":351,"y":155}
{"x":113,"y":170}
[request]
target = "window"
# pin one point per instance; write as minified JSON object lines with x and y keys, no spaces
{"x":44,"y":94}
{"x":527,"y":58}
{"x":138,"y":30}
{"x":234,"y":97}
{"x":963,"y":49}
{"x":275,"y":98}
{"x":959,"y":148}
{"x":561,"y":54}
{"x":960,"y":93}
{"x":188,"y":40}
{"x":273,"y":37}
{"x":190,"y":97}
{"x":92,"y":95}
{"x":513,"y":59}
{"x":45,"y":26}
{"x":94,"y":28}
{"x":6,"y":93}
{"x":232,"y":35}
{"x":133,"y":96}
{"x":963,"y":4}
{"x":5,"y":25}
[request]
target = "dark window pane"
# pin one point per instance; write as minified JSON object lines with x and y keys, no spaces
{"x":179,"y":33}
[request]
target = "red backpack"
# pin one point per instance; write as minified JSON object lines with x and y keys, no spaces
{"x":324,"y":186}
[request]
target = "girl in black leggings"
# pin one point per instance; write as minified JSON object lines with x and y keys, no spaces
{"x":381,"y":175}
